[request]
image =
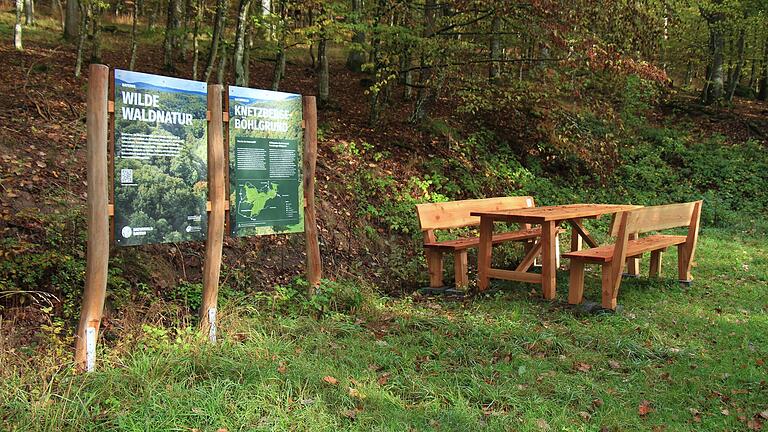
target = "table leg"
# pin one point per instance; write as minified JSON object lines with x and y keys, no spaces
{"x":575,"y":236}
{"x":484,"y":252}
{"x":549,"y":259}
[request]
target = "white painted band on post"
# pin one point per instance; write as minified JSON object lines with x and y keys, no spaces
{"x":212,"y":325}
{"x":90,"y":349}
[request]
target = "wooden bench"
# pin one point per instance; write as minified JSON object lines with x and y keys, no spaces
{"x":456,"y":214}
{"x":627,"y":228}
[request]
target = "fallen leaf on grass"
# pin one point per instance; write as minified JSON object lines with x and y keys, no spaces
{"x":582,"y":367}
{"x":755,"y":424}
{"x":542,"y":424}
{"x":585,"y":415}
{"x":614,"y":364}
{"x":281,"y":368}
{"x":644,"y":408}
{"x":696,"y":415}
{"x":330,"y":380}
{"x":384,"y":378}
{"x":764,"y":414}
{"x":725,"y":411}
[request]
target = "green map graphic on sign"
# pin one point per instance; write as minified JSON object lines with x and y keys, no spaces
{"x":161,"y":159}
{"x":265,"y":159}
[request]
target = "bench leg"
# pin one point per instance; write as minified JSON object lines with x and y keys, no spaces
{"x":633,"y":264}
{"x":576,"y":282}
{"x":460,"y":268}
{"x":549,"y":259}
{"x":656,"y":263}
{"x":684,"y":263}
{"x":435,"y":267}
{"x":610,"y":292}
{"x":484,"y":253}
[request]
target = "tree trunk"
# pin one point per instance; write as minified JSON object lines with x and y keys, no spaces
{"x":17,"y":26}
{"x":277,"y":74}
{"x":29,"y":12}
{"x":266,"y":10}
{"x":218,"y":28}
{"x":247,"y":55}
{"x":324,"y":75}
{"x":72,"y":20}
{"x":736,"y":75}
{"x":152,"y":20}
{"x":763,"y":85}
{"x":195,"y":38}
{"x":715,"y":84}
{"x":60,"y":11}
{"x":425,"y":95}
{"x":242,"y":25}
{"x":494,"y":70}
{"x":83,"y":32}
{"x":221,"y":72}
{"x":134,"y":38}
{"x":356,"y":57}
{"x":169,"y":42}
{"x":96,"y":33}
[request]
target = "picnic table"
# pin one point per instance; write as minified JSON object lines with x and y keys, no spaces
{"x":550,"y":218}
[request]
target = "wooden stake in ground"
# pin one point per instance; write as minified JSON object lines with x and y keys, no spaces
{"x":217,"y":196}
{"x":314,"y":265}
{"x":98,"y":219}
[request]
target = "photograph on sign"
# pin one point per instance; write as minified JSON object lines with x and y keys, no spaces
{"x":265,"y":154}
{"x":161,"y":159}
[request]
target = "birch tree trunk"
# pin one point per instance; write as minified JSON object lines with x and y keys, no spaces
{"x":218,"y":27}
{"x":72,"y":20}
{"x":17,"y":27}
{"x":242,"y":25}
{"x":134,"y":39}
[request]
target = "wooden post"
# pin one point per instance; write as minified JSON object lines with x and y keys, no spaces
{"x":217,"y":196}
{"x":484,"y":253}
{"x":549,"y":246}
{"x":314,"y":265}
{"x":97,"y":254}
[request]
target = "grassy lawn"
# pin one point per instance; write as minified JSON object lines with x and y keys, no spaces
{"x":674,"y":359}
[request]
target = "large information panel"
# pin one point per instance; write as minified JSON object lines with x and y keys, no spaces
{"x":161,"y":159}
{"x":265,"y":154}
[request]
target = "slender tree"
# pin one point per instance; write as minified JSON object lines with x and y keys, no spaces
{"x":218,"y":28}
{"x":72,"y":20}
{"x":134,"y":38}
{"x":240,"y":42}
{"x":17,"y":27}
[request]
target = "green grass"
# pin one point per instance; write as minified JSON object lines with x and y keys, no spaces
{"x":508,"y":361}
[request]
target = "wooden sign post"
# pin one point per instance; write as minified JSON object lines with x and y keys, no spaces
{"x":97,"y":253}
{"x":98,"y":213}
{"x":217,"y":195}
{"x":314,"y":265}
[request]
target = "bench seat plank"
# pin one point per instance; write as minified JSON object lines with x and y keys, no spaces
{"x":634,"y":248}
{"x":466,"y":243}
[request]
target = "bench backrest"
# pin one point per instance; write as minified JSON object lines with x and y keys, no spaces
{"x":652,"y":219}
{"x":661,"y":217}
{"x":456,"y":214}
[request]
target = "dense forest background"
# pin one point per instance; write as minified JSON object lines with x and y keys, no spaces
{"x":589,"y":101}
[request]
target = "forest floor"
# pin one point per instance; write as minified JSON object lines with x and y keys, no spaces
{"x":373,"y":357}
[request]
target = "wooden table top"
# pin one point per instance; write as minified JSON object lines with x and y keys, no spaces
{"x":555,"y":213}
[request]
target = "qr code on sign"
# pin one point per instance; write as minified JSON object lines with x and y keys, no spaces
{"x":126,"y":176}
